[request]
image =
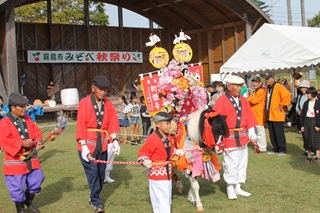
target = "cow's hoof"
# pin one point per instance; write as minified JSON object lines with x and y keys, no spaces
{"x":200,"y":209}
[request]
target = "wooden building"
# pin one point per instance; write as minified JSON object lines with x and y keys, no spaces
{"x":217,"y":28}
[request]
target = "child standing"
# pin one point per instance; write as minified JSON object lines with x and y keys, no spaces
{"x":310,"y":124}
{"x":145,"y":117}
{"x":159,"y":147}
{"x":123,"y":118}
{"x":133,"y":109}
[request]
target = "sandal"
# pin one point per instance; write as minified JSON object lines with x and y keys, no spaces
{"x":308,"y":160}
{"x":316,"y":160}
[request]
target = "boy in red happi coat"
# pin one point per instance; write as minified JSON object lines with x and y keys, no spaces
{"x":157,"y":150}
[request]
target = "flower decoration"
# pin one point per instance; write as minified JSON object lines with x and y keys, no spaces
{"x":180,"y":93}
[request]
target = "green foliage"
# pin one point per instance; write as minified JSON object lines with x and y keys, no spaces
{"x":315,"y":21}
{"x":262,"y":4}
{"x":63,"y":12}
{"x":277,"y":183}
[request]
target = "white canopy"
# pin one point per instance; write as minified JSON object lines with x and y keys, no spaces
{"x":277,"y":48}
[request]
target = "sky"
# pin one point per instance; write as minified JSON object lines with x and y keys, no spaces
{"x":278,"y":13}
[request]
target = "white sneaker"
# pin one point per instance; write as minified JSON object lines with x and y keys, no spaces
{"x":289,"y":124}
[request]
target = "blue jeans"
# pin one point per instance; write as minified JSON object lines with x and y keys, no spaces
{"x":95,"y":176}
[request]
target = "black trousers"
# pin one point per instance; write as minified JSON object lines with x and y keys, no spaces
{"x":277,"y":137}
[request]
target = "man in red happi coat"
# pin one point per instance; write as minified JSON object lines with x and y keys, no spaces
{"x":19,"y":135}
{"x":241,"y":122}
{"x":97,"y":125}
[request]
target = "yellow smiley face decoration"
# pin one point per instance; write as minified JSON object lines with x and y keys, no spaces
{"x":182,"y":52}
{"x":158,"y":57}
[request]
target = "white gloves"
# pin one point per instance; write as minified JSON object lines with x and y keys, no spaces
{"x":116,"y":147}
{"x":180,"y":152}
{"x":85,"y":154}
{"x":252,"y":134}
{"x":147,"y":163}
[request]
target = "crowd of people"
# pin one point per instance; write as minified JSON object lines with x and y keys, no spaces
{"x":99,"y":125}
{"x":273,"y":107}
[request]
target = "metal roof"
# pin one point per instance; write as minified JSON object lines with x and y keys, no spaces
{"x":174,"y":15}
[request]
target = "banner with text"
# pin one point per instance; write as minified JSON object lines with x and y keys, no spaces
{"x":151,"y":92}
{"x":35,"y":56}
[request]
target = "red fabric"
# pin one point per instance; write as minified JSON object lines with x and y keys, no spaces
{"x":208,"y":135}
{"x":154,"y":149}
{"x":86,"y":119}
{"x":11,"y":143}
{"x":225,"y":107}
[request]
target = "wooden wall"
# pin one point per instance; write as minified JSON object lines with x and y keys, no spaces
{"x":226,"y":39}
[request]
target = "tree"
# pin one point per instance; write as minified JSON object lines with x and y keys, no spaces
{"x":265,"y":8}
{"x":63,"y":12}
{"x":315,"y":21}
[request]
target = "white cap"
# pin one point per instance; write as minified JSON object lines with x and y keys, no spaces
{"x":304,"y":83}
{"x":233,"y":79}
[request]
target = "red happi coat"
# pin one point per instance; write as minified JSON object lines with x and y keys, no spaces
{"x":225,"y":107}
{"x":154,"y":149}
{"x":11,"y":143}
{"x":86,"y":119}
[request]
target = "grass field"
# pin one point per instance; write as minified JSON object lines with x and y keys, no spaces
{"x":277,"y":183}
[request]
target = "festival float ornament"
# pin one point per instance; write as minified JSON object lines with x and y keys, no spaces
{"x":182,"y":52}
{"x":179,"y":92}
{"x":158,"y":57}
{"x":153,"y":40}
{"x":182,"y":37}
{"x":58,"y":129}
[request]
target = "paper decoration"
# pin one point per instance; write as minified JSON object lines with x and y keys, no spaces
{"x":182,"y":53}
{"x":158,"y":57}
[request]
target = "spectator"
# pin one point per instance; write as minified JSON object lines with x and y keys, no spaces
{"x":134,"y":87}
{"x":96,"y":121}
{"x":244,"y":90}
{"x":210,"y":90}
{"x":50,"y":86}
{"x":4,"y":109}
{"x":241,"y":122}
{"x":310,"y":124}
{"x":257,"y":102}
{"x":220,"y":91}
{"x":19,"y":136}
{"x":302,"y":97}
{"x":34,"y":110}
{"x":145,"y":117}
{"x":123,"y":118}
{"x":277,"y":97}
{"x":133,"y":109}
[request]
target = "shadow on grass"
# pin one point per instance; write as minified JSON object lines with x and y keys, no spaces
{"x":53,"y":192}
{"x":206,"y":187}
{"x":121,"y":175}
{"x":47,"y":155}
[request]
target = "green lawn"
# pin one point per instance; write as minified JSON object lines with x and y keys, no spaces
{"x":277,"y":184}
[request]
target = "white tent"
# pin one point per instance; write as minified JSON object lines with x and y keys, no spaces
{"x":277,"y":48}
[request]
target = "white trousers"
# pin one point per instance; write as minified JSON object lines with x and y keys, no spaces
{"x":261,"y":138}
{"x":109,"y":166}
{"x":235,"y":165}
{"x":160,"y":195}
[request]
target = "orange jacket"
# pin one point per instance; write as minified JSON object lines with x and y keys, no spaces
{"x":257,"y":100}
{"x":279,"y":96}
